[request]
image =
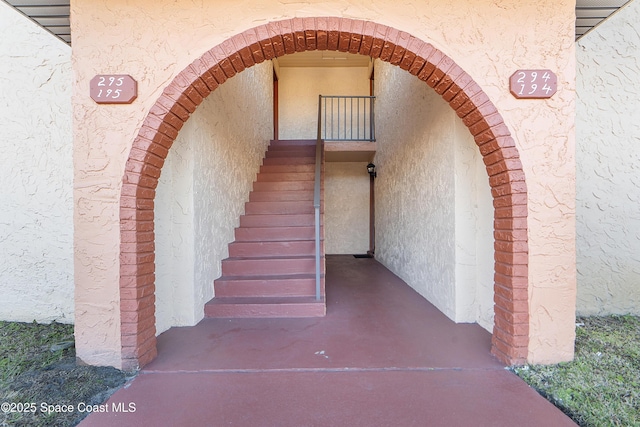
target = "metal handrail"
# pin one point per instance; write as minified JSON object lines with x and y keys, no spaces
{"x":316,"y":196}
{"x":347,"y":118}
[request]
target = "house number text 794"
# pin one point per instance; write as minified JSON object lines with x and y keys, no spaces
{"x":113,"y":89}
{"x":533,"y":84}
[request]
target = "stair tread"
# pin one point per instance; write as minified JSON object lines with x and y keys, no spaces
{"x":267,"y":300}
{"x":273,"y":277}
{"x":271,"y":258}
{"x":280,"y":241}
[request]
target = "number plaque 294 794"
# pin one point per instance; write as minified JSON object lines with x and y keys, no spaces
{"x":113,"y":89}
{"x":533,"y":84}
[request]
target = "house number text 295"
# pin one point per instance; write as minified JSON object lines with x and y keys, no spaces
{"x":113,"y":89}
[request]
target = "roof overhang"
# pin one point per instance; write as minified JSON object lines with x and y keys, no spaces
{"x":53,"y":15}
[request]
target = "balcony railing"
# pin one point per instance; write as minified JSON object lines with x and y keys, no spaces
{"x":347,"y":118}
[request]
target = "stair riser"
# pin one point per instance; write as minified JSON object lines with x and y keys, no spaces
{"x":281,"y":196}
{"x":293,"y":142}
{"x":310,"y":168}
{"x":290,"y":176}
{"x":308,"y":150}
{"x":275,"y":234}
{"x":290,"y":153}
{"x":283,"y":186}
{"x":274,"y":267}
{"x":267,"y":288}
{"x":288,"y":161}
{"x":258,"y":208}
{"x":257,"y":249}
{"x":265,"y":310}
{"x":265,"y":221}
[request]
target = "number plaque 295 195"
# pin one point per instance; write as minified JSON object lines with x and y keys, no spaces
{"x":533,"y":84}
{"x":113,"y":89}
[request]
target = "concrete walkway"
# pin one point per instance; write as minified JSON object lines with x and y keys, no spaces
{"x":383,"y":356}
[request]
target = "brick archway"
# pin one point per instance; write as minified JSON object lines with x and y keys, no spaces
{"x":187,"y":90}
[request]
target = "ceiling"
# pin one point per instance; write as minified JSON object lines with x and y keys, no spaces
{"x":54,"y":16}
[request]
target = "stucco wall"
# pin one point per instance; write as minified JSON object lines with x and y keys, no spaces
{"x":298,"y":90}
{"x":429,"y":224}
{"x":608,"y":159}
{"x":212,"y":166}
{"x":346,"y":208}
{"x":154,"y":40}
{"x":36,"y":173}
{"x":473,"y":232}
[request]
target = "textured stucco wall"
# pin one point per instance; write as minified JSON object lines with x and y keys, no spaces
{"x":211,"y":166}
{"x":298,"y":90}
{"x":608,"y":171}
{"x":346,"y":208}
{"x":154,"y":40}
{"x":474,"y":232}
{"x":174,"y":228}
{"x":429,"y":227}
{"x":415,"y":205}
{"x":36,"y":173}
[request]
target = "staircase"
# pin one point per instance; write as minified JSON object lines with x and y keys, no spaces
{"x":270,"y":271}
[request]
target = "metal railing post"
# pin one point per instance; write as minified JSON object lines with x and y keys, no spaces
{"x":316,"y":196}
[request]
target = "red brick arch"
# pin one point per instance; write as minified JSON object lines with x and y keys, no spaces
{"x":187,"y":90}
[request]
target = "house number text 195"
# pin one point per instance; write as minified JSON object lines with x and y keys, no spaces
{"x":113,"y":89}
{"x":533,"y":84}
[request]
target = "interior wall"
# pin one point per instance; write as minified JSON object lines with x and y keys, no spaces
{"x":346,"y":208}
{"x":434,"y":214}
{"x":36,"y":173}
{"x":608,"y":159}
{"x":298,"y":90}
{"x":211,"y":169}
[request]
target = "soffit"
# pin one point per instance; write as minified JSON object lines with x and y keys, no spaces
{"x":53,"y":15}
{"x":590,"y":13}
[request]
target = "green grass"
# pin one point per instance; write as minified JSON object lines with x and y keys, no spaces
{"x":601,"y":386}
{"x":37,"y":364}
{"x":27,"y":346}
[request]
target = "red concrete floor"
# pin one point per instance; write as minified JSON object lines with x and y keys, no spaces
{"x":383,"y":356}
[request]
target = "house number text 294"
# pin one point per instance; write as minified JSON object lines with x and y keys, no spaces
{"x":533,"y":84}
{"x":113,"y":89}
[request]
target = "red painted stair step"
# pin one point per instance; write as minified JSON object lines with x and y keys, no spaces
{"x":265,"y":286}
{"x":308,"y":150}
{"x":289,"y":160}
{"x":254,"y":234}
{"x":286,"y":176}
{"x":295,"y":207}
{"x":270,"y":266}
{"x":265,"y":307}
{"x":301,"y":220}
{"x":265,"y":248}
{"x":274,"y":196}
{"x":283,"y":186}
{"x":294,"y":142}
{"x":308,"y":168}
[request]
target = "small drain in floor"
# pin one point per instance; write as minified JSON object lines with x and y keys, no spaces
{"x":362,"y":256}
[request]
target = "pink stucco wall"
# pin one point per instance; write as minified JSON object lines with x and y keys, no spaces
{"x":154,"y":40}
